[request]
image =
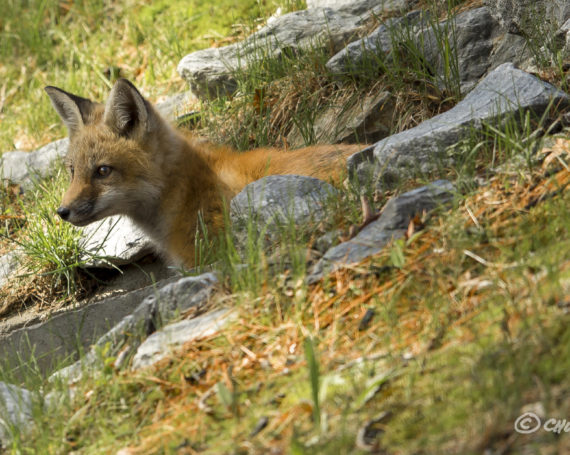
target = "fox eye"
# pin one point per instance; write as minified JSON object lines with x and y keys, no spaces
{"x":103,"y":171}
{"x":71,"y":170}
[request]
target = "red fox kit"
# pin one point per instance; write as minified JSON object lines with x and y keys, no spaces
{"x":125,"y":159}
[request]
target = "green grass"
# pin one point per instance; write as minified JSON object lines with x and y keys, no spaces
{"x":52,"y":252}
{"x":83,"y":45}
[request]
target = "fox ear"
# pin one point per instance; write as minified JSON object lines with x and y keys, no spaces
{"x":126,"y":111}
{"x":73,"y":110}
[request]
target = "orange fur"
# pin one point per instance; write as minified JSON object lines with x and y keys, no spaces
{"x":126,"y":160}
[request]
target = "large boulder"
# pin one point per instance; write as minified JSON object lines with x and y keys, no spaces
{"x":280,"y":199}
{"x":377,"y":45}
{"x":473,"y":38}
{"x":330,"y":24}
{"x":504,"y":92}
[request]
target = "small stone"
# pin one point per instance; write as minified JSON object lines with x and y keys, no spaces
{"x":162,"y":343}
{"x":259,"y":426}
{"x":366,"y":319}
{"x":15,"y":410}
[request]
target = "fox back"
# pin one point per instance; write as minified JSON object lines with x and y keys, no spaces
{"x":125,"y":159}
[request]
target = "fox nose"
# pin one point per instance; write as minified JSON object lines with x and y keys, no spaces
{"x":63,"y":212}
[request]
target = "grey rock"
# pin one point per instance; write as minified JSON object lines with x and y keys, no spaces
{"x":9,"y":264}
{"x":115,"y":286}
{"x":401,"y":209}
{"x":165,"y":341}
{"x":22,"y":167}
{"x":64,"y":334}
{"x":363,"y":121}
{"x":361,"y":6}
{"x":114,"y":241}
{"x":280,"y":199}
{"x":472,"y":36}
{"x":518,"y":16}
{"x":159,"y":307}
{"x":503,"y":92}
{"x":565,"y":35}
{"x":509,"y":48}
{"x":15,"y":410}
{"x":391,"y":224}
{"x":209,"y":71}
{"x":323,"y":243}
{"x":377,"y":45}
{"x":174,"y":106}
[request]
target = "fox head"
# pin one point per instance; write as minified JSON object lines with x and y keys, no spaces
{"x":115,"y":156}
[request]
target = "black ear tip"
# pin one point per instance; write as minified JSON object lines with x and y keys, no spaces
{"x":51,"y":90}
{"x":125,"y":82}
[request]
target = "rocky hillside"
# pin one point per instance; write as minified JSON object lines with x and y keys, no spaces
{"x":419,"y":307}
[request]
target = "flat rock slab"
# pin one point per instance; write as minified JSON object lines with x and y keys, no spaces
{"x":391,"y":224}
{"x":15,"y":410}
{"x":279,"y":199}
{"x":164,"y":342}
{"x":210,"y":71}
{"x":161,"y":305}
{"x":21,"y":167}
{"x":65,"y":333}
{"x":115,"y":240}
{"x":505,"y":91}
